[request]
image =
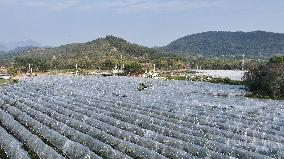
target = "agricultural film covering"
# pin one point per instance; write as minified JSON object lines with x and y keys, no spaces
{"x":107,"y":117}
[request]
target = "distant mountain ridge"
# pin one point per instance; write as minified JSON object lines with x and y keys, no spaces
{"x":257,"y":44}
{"x":8,"y":46}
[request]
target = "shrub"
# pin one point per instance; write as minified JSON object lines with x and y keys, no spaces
{"x":267,"y":79}
{"x":12,"y":71}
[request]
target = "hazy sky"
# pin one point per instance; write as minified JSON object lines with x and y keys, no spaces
{"x":146,"y":22}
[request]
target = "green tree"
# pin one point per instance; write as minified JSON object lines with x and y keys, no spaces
{"x":12,"y":71}
{"x":133,"y":67}
{"x":267,"y":79}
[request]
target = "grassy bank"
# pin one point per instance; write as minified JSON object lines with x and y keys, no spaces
{"x":4,"y":82}
{"x":261,"y":96}
{"x":206,"y":79}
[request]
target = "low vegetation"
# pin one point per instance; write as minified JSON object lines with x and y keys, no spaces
{"x":267,"y":80}
{"x":206,"y":79}
{"x":6,"y":82}
{"x":3,"y":155}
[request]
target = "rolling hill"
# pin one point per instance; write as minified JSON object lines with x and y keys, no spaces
{"x":103,"y":53}
{"x":257,"y":44}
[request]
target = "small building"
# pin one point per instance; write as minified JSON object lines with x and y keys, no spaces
{"x":118,"y":71}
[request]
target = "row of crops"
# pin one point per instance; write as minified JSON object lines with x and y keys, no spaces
{"x":92,"y":117}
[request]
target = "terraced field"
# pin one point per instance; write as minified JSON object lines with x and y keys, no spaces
{"x":107,"y":117}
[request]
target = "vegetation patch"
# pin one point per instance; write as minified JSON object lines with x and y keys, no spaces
{"x":32,"y":154}
{"x":206,"y":79}
{"x":261,"y":96}
{"x":267,"y":80}
{"x":142,"y":86}
{"x":7,"y":82}
{"x":3,"y":155}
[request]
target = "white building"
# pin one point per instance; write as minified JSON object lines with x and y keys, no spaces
{"x":4,"y":74}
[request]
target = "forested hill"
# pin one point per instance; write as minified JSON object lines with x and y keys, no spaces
{"x":257,"y":44}
{"x":108,"y":46}
{"x":102,"y":53}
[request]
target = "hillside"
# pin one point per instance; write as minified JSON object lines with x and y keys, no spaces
{"x":6,"y":57}
{"x":258,"y":44}
{"x":103,"y":53}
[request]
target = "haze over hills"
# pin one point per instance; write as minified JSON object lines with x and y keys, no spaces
{"x":8,"y":46}
{"x":257,"y":44}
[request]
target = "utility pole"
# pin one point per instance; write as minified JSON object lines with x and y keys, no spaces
{"x":76,"y":69}
{"x":243,"y":62}
{"x":30,"y":71}
{"x":122,"y":65}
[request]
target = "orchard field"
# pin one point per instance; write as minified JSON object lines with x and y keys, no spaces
{"x":107,"y":117}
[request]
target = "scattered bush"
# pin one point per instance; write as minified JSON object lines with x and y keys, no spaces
{"x":12,"y":71}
